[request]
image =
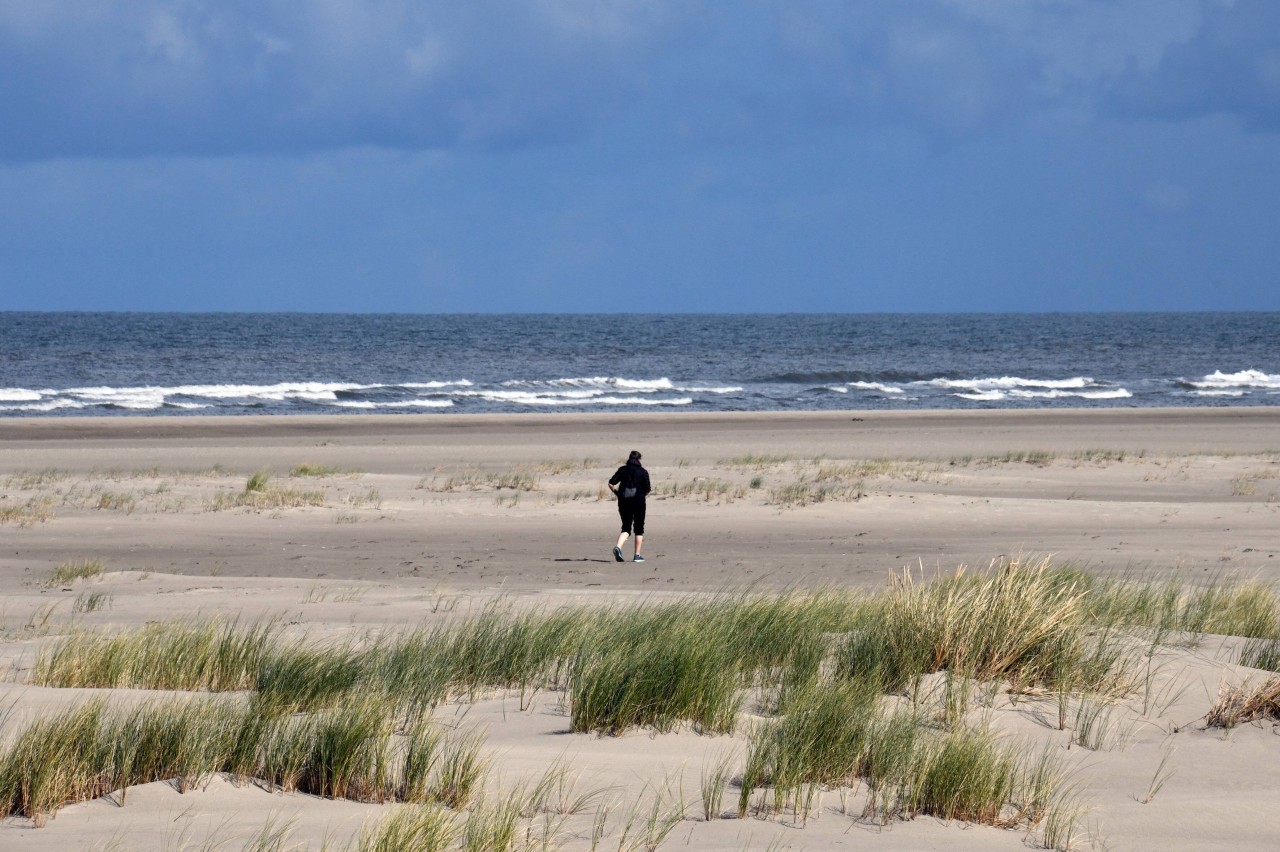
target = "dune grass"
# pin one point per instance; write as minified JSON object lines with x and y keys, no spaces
{"x":1020,"y":622}
{"x":259,"y":493}
{"x":1025,"y":622}
{"x":91,"y":602}
{"x":210,"y":654}
{"x":473,"y":479}
{"x":853,"y":688}
{"x":703,"y":488}
{"x":1246,"y":702}
{"x":69,"y":572}
{"x":802,"y":493}
{"x":1262,"y":653}
{"x":310,"y":469}
{"x":420,"y":828}
{"x":362,"y":751}
{"x":35,"y":510}
{"x":753,"y":461}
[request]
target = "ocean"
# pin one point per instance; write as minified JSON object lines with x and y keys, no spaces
{"x":122,"y":364}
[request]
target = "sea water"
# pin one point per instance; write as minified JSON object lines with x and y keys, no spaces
{"x":54,"y":364}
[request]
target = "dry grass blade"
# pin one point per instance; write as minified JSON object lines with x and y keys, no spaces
{"x":1245,"y":703}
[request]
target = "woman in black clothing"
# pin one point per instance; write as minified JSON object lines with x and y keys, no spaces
{"x":630,"y":484}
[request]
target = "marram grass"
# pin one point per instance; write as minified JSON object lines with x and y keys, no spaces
{"x":359,"y":752}
{"x":210,"y":654}
{"x":349,"y":719}
{"x":1030,"y":624}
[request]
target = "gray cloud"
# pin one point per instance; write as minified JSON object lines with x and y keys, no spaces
{"x":125,"y":78}
{"x":1230,"y":67}
{"x":104,"y":78}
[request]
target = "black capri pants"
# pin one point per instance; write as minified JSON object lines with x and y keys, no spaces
{"x":632,"y":512}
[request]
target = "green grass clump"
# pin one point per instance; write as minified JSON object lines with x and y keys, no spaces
{"x":1223,"y":606}
{"x":1018,"y":622}
{"x":28,"y":513}
{"x":259,"y":493}
{"x":1262,"y":654}
{"x":820,"y":740}
{"x":91,"y":601}
{"x":514,"y":480}
{"x":472,"y":479}
{"x":1103,"y":456}
{"x":308,"y":469}
{"x":89,"y":751}
{"x":358,"y":751}
{"x":116,"y":501}
{"x":498,"y":649}
{"x":1035,"y":457}
{"x":804,"y":494}
{"x":419,"y":828}
{"x":686,"y":662}
{"x":753,"y":461}
{"x":69,"y":572}
{"x":836,"y":735}
{"x":702,"y":488}
{"x":855,"y":472}
{"x":302,"y":676}
{"x":258,"y":482}
{"x":198,"y":655}
{"x":29,"y":479}
{"x":658,"y":680}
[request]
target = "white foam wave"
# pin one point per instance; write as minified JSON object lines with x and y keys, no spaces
{"x":150,"y":397}
{"x":1236,"y":394}
{"x":19,"y":395}
{"x":1119,"y":393}
{"x":708,"y":389}
{"x":1218,"y":380}
{"x":568,"y":397}
{"x":136,"y":399}
{"x":1011,"y":383}
{"x":875,"y":386}
{"x":581,"y":398}
{"x":405,"y":403}
{"x":614,"y":384}
{"x":460,"y":383}
{"x":613,"y":400}
{"x":47,"y":405}
{"x":997,"y":395}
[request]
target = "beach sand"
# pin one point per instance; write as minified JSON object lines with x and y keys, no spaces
{"x":419,"y":517}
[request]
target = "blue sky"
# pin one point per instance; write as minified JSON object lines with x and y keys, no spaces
{"x":640,"y":155}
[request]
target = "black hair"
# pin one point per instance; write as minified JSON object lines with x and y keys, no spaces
{"x":634,"y":457}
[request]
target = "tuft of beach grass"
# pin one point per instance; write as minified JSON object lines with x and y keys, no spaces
{"x":847,"y":690}
{"x":69,"y":572}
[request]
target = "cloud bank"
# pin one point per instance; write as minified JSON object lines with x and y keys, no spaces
{"x":131,"y":78}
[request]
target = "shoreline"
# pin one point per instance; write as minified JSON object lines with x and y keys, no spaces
{"x":881,"y":433}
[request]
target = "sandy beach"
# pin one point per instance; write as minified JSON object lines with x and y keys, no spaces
{"x":394,"y":521}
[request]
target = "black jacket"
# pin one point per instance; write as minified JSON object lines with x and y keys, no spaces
{"x":631,"y":476}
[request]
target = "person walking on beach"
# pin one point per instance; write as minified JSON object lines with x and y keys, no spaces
{"x":630,"y":483}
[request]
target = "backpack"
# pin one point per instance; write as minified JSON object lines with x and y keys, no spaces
{"x":627,"y":487}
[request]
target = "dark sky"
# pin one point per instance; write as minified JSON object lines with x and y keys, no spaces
{"x":588,"y":155}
